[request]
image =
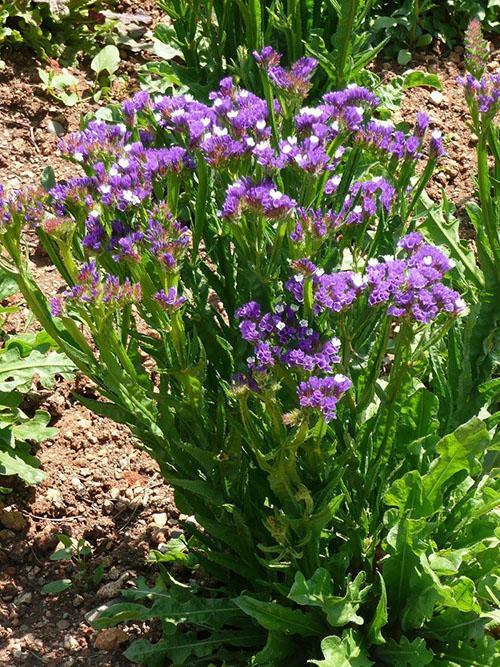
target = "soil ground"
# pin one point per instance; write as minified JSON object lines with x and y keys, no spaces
{"x":99,"y":485}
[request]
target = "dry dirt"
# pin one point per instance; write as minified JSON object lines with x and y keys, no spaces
{"x":99,"y":485}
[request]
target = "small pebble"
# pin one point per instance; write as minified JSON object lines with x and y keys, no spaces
{"x":70,"y":643}
{"x":24,"y":598}
{"x":76,"y":484}
{"x":436,"y":97}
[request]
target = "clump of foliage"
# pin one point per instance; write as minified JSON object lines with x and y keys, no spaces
{"x":22,"y":357}
{"x":299,"y":338}
{"x":203,"y":41}
{"x":414,"y":24}
{"x":55,"y":28}
{"x":82,"y":573}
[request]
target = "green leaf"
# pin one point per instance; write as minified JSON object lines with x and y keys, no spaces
{"x":453,"y":625}
{"x":457,"y":452}
{"x":446,"y":562}
{"x":380,"y":618}
{"x":17,"y":373}
{"x":54,"y":587}
{"x":62,"y":554}
{"x":278,"y":646}
{"x":107,"y":60}
{"x":407,"y":494}
{"x":8,"y":285}
{"x":145,"y":653}
{"x":404,"y":57}
{"x":405,"y":654}
{"x":165,"y":51}
{"x":35,"y":429}
{"x":313,"y":591}
{"x":418,"y":78}
{"x":181,"y":646}
{"x":404,"y":546}
{"x":482,"y":653}
{"x":48,"y":179}
{"x":16,"y":461}
{"x":316,"y":592}
{"x":121,"y":613}
{"x":345,"y":651}
{"x":277,"y":618}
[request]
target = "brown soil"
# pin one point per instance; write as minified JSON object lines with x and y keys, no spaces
{"x":99,"y":486}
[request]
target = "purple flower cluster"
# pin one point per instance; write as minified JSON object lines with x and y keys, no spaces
{"x":281,"y":339}
{"x":162,"y":235}
{"x":486,"y":91}
{"x":123,"y":183}
{"x":296,"y":80}
{"x":312,"y":224}
{"x":130,"y":108}
{"x":323,"y":393}
{"x":331,"y":291}
{"x":95,"y":290}
{"x":363,"y":199}
{"x":72,"y":196}
{"x":123,"y":166}
{"x":168,"y":238}
{"x":25,"y":204}
{"x":262,"y":198}
{"x":99,"y":140}
{"x":232,"y":127}
{"x":362,"y":202}
{"x":413,"y":286}
{"x":384,"y":138}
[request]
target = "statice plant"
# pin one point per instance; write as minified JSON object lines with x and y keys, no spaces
{"x":255,"y":292}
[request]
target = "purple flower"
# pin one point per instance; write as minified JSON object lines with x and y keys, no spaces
{"x":364,"y":200}
{"x":353,"y":95}
{"x":331,"y":291}
{"x":169,"y":300}
{"x":323,"y":394}
{"x":137,"y":103}
{"x":413,"y":286}
{"x":92,"y":289}
{"x":96,"y":235}
{"x":411,"y":241}
{"x":485,"y":91}
{"x":262,"y":198}
{"x":24,"y":206}
{"x":436,"y":147}
{"x":421,"y":124}
{"x":476,"y":49}
{"x":267,"y":57}
{"x":296,"y":80}
{"x":382,"y":137}
{"x":166,"y":237}
{"x":98,"y":139}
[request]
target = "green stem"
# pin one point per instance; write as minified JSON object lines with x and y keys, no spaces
{"x":485,"y":197}
{"x":387,"y":410}
{"x":419,"y":188}
{"x":201,"y":205}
